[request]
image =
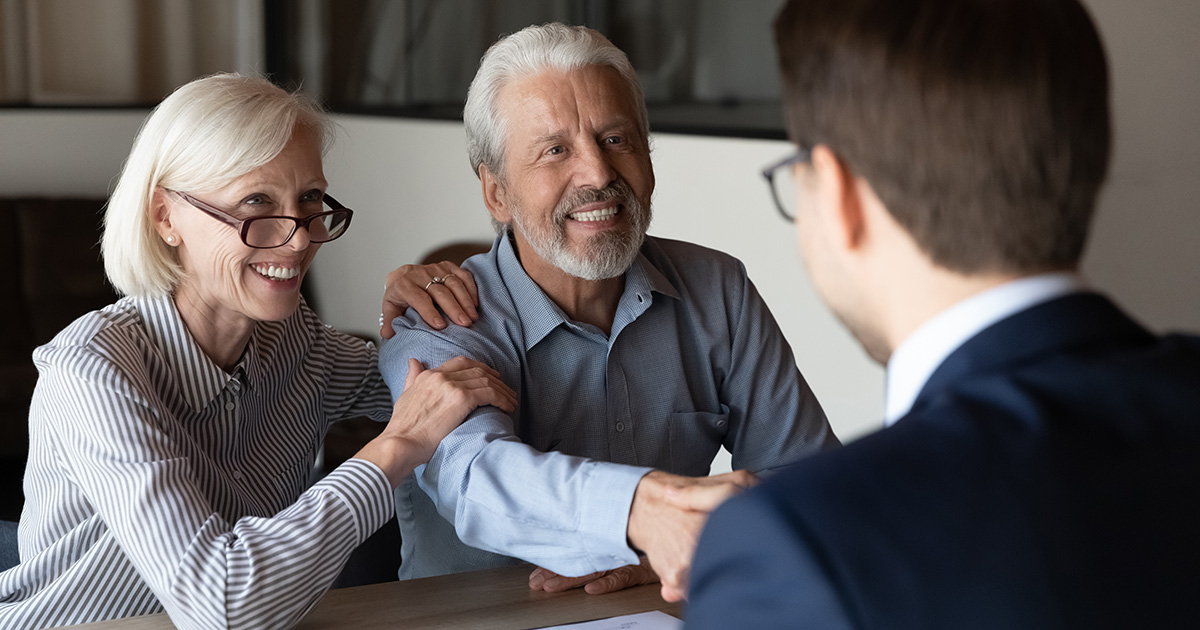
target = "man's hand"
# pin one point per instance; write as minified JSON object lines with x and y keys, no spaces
{"x":597,"y":583}
{"x":450,"y":288}
{"x":667,"y":515}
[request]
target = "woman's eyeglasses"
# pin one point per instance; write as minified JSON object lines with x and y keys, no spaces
{"x":275,"y":231}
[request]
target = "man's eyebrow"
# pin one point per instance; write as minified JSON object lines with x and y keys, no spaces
{"x":559,"y":136}
{"x":617,"y":123}
{"x":556,"y":136}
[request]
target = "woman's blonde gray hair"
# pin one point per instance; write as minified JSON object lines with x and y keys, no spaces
{"x":199,"y":139}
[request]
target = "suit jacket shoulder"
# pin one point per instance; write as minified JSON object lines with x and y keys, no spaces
{"x":1038,"y":482}
{"x":755,"y":567}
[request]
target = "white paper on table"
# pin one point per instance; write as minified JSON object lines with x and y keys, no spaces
{"x":654,"y":620}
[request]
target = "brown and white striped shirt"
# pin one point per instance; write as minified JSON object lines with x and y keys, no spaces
{"x":158,"y":481}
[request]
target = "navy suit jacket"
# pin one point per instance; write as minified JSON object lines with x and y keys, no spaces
{"x":1047,"y":476}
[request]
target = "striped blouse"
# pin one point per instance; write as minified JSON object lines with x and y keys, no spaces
{"x":157,"y":481}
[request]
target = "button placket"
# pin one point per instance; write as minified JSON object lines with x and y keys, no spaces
{"x":620,"y":434}
{"x":233,"y":391}
{"x":234,"y":394}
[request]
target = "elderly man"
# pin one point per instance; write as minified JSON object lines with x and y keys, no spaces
{"x":635,"y":358}
{"x":1041,"y":466}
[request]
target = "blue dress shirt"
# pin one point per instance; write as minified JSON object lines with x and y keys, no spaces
{"x":694,"y":361}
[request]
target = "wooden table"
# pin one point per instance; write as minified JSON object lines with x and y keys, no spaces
{"x":496,"y":598}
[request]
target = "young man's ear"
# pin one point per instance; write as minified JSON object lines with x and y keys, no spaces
{"x":841,"y":198}
{"x":495,"y":197}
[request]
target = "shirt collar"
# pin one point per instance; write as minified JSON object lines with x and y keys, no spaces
{"x":928,"y":346}
{"x":200,"y":380}
{"x":650,"y":278}
{"x":539,"y":315}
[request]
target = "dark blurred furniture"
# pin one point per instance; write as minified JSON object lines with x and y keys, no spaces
{"x":9,"y":557}
{"x":456,"y":252}
{"x":377,"y":559}
{"x":50,"y":274}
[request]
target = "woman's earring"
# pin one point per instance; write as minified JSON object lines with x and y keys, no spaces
{"x":171,"y":240}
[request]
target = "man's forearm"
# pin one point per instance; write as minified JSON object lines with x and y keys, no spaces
{"x":567,"y":514}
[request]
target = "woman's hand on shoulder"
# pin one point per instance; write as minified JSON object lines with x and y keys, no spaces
{"x":435,"y":401}
{"x":429,"y":288}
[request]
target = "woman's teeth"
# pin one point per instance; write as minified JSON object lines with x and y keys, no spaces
{"x":276,"y":273}
{"x":596,"y":215}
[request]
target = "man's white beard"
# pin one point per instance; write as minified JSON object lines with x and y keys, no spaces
{"x":607,"y":255}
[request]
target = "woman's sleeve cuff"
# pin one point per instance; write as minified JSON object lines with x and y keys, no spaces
{"x":365,"y":490}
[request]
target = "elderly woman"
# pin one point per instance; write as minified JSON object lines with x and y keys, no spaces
{"x":172,"y":433}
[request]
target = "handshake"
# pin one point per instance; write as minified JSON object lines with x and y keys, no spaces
{"x":665,"y":521}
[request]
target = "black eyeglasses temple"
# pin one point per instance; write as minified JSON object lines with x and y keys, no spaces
{"x":333,"y":203}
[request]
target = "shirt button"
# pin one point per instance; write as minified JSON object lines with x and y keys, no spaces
{"x":237,"y":474}
{"x":229,"y":406}
{"x":620,"y":427}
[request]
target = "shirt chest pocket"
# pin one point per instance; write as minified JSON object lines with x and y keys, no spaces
{"x":695,"y":438}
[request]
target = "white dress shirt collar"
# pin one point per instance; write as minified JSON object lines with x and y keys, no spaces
{"x":915,"y":360}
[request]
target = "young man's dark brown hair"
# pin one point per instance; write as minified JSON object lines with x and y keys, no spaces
{"x":982,"y":126}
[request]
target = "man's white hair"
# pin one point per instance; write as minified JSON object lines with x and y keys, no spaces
{"x":529,"y":52}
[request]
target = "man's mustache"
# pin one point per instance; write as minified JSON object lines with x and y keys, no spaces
{"x":618,"y":190}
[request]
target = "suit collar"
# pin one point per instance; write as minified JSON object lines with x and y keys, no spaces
{"x":1074,"y":321}
{"x":913,"y":362}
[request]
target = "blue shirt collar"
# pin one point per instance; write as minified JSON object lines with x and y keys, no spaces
{"x":539,"y":314}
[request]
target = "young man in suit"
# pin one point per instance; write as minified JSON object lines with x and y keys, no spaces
{"x":1042,"y":453}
